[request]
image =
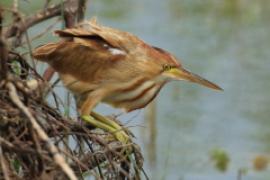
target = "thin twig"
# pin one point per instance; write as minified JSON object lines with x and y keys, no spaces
{"x":38,"y":17}
{"x":95,"y":159}
{"x":43,"y":32}
{"x":15,"y":5}
{"x":3,"y":51}
{"x":3,"y":59}
{"x":5,"y":169}
{"x":81,"y":10}
{"x":30,"y":48}
{"x":41,"y":133}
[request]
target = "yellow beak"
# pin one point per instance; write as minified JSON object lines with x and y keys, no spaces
{"x":182,"y":74}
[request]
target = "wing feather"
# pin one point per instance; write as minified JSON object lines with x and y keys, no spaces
{"x":79,"y":60}
{"x":89,"y":52}
{"x":41,"y":53}
{"x":91,"y":30}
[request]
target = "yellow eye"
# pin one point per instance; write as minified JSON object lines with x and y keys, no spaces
{"x":166,"y":67}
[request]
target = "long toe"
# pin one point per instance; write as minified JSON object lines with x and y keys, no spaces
{"x":118,"y":133}
{"x":122,"y":137}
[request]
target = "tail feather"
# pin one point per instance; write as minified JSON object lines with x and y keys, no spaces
{"x":73,"y":32}
{"x":43,"y":52}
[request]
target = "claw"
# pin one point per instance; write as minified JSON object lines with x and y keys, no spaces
{"x":109,"y":126}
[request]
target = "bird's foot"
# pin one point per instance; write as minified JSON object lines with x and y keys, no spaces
{"x":108,"y":125}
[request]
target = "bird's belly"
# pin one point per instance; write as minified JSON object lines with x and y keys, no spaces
{"x":74,"y":85}
{"x":135,"y":98}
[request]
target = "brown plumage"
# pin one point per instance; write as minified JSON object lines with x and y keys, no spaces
{"x":104,"y":64}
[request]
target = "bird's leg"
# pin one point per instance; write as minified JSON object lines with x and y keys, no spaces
{"x":100,"y":121}
{"x":118,"y":133}
{"x":106,"y":120}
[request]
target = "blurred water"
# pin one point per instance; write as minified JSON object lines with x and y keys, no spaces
{"x":226,"y":41}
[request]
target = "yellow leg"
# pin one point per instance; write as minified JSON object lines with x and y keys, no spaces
{"x":99,"y":121}
{"x":106,"y":121}
{"x":108,"y":125}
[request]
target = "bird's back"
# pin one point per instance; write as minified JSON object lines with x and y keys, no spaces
{"x":94,"y":54}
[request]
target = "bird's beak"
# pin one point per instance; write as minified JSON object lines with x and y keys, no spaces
{"x":182,"y":74}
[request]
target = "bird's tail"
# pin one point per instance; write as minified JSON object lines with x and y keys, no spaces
{"x":43,"y":52}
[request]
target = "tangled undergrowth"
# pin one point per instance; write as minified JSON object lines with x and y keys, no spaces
{"x":36,"y":140}
{"x":33,"y":135}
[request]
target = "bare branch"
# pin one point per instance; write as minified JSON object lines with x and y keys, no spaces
{"x":28,"y":22}
{"x":3,"y":51}
{"x":41,"y":133}
{"x":70,"y":12}
{"x":81,"y":10}
{"x":3,"y":162}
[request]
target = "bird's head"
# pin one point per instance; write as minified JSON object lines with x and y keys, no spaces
{"x":173,"y":70}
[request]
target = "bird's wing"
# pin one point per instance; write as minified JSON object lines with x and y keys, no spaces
{"x":113,"y":37}
{"x":85,"y":60}
{"x":42,"y":52}
{"x":90,"y":51}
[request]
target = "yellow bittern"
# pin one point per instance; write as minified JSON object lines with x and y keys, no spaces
{"x":102,"y":64}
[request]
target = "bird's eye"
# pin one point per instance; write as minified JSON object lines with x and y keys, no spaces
{"x":167,"y":67}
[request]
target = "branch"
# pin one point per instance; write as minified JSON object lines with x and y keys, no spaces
{"x":3,"y":59}
{"x":1,"y":20}
{"x":3,"y":51}
{"x":72,"y":9}
{"x":28,"y":22}
{"x":70,"y":12}
{"x":4,"y":165}
{"x":58,"y":158}
{"x":81,"y":10}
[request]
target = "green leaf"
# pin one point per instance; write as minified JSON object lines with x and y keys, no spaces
{"x":220,"y":159}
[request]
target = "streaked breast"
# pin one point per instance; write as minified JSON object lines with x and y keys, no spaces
{"x":134,"y":97}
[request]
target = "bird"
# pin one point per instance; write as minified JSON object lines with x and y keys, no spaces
{"x":103,"y":64}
